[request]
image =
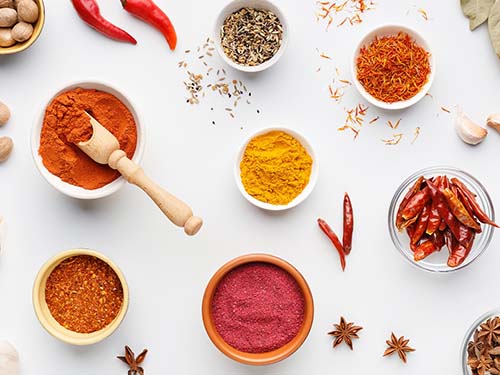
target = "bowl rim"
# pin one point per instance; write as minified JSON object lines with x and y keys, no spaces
{"x":390,"y":29}
{"x":401,"y":190}
{"x":37,"y":30}
{"x":257,"y":359}
{"x":235,"y":5}
{"x":47,"y":320}
{"x":313,"y":178}
{"x":62,"y":186}
{"x":468,"y":335}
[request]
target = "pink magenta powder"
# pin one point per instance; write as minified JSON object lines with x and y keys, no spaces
{"x":258,"y":307}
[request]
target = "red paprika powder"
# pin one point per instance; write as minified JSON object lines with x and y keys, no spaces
{"x":65,"y":123}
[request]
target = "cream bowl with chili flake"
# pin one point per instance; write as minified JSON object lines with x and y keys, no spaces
{"x":44,"y":315}
{"x":235,"y":6}
{"x":393,"y":30}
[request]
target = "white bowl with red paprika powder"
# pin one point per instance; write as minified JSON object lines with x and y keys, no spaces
{"x":258,"y":309}
{"x":80,"y":177}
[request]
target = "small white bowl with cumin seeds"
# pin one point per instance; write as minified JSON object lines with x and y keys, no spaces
{"x":269,"y":57}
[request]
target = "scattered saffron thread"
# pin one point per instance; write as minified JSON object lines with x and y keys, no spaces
{"x":396,"y":138}
{"x":416,"y":134}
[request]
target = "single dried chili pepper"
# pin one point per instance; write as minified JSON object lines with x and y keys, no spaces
{"x":421,"y":224}
{"x":478,"y":211}
{"x":438,"y":239}
{"x":348,"y":225}
{"x":335,"y":240}
{"x":434,"y":219}
{"x":459,"y":210}
{"x":425,"y":249}
{"x":149,"y":12}
{"x":410,"y":230}
{"x":467,"y":206}
{"x":89,"y":12}
{"x":414,"y":190}
{"x":459,"y":252}
{"x":417,"y":203}
{"x":442,"y":225}
{"x":448,"y":239}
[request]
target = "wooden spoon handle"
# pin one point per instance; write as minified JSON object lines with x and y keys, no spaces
{"x":176,"y":210}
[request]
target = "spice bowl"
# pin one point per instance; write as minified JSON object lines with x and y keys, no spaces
{"x":236,"y":5}
{"x":49,"y":322}
{"x":312,"y":178}
{"x":37,"y":30}
{"x":388,"y":30}
{"x":257,"y":358}
{"x":437,"y":262}
{"x":72,"y":190}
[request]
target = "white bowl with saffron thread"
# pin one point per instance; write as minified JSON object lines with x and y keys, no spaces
{"x":77,"y":191}
{"x":236,"y":5}
{"x":391,"y":30}
{"x":313,"y":178}
{"x":50,"y":324}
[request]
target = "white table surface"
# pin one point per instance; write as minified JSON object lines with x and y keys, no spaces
{"x":167,"y":271}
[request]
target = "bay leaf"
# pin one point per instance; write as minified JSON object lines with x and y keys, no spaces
{"x":476,"y":11}
{"x":494,"y":26}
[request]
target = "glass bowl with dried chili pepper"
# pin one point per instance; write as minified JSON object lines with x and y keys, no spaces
{"x":393,"y":67}
{"x":481,"y":345}
{"x":441,"y":208}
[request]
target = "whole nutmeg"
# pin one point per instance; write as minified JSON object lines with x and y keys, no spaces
{"x":6,"y":146}
{"x":4,"y":114}
{"x":6,"y":3}
{"x":27,"y":11}
{"x":6,"y":39}
{"x":8,"y":17}
{"x":22,"y":31}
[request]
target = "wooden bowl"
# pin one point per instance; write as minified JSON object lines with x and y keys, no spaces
{"x":47,"y":320}
{"x":257,"y":359}
{"x":37,"y":29}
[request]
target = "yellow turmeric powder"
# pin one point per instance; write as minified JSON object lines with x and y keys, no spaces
{"x":275,"y":168}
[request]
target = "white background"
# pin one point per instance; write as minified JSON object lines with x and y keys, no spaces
{"x":167,"y":271}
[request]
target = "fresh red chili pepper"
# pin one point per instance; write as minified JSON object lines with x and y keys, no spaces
{"x":421,"y":224}
{"x":480,"y":214}
{"x":459,"y":210}
{"x":335,"y":240}
{"x":89,"y":12}
{"x":348,"y":224}
{"x":150,"y":13}
{"x":459,"y":252}
{"x":414,"y":190}
{"x":417,"y":203}
{"x":425,"y":249}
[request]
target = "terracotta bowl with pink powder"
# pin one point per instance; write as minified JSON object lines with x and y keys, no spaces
{"x":258,"y":309}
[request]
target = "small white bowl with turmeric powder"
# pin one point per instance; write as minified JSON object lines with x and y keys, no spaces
{"x":276,"y":169}
{"x":57,"y":130}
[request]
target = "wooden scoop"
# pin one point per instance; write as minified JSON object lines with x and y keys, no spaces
{"x":103,"y":147}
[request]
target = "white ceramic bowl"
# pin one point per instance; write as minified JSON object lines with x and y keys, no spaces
{"x":76,"y":191}
{"x":236,"y":5}
{"x":388,"y":30}
{"x":302,"y":196}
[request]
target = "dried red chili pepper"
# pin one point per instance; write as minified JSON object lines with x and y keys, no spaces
{"x":413,"y":190}
{"x":448,"y":240}
{"x":459,"y":252}
{"x":438,"y":239}
{"x":467,"y":206}
{"x":335,"y":240}
{"x":459,"y":210}
{"x":442,"y":225}
{"x":348,"y":224}
{"x":410,"y":230}
{"x":89,"y":12}
{"x":425,"y":249}
{"x":434,"y":219}
{"x":478,"y":211}
{"x":417,"y":203}
{"x":421,"y":224}
{"x":149,"y":12}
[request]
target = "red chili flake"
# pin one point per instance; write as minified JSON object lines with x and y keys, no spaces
{"x":258,"y":308}
{"x":445,"y":110}
{"x":393,"y":68}
{"x":84,"y":294}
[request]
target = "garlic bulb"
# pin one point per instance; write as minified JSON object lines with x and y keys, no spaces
{"x":494,"y":121}
{"x":9,"y":359}
{"x":469,"y":131}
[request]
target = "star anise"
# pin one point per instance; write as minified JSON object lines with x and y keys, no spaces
{"x":133,"y":362}
{"x":475,"y":347}
{"x":490,"y":331}
{"x":480,"y":365}
{"x":399,"y":346}
{"x":345,"y":332}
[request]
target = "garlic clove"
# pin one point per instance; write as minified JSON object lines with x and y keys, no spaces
{"x":468,"y":131}
{"x":9,"y":359}
{"x":494,"y":121}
